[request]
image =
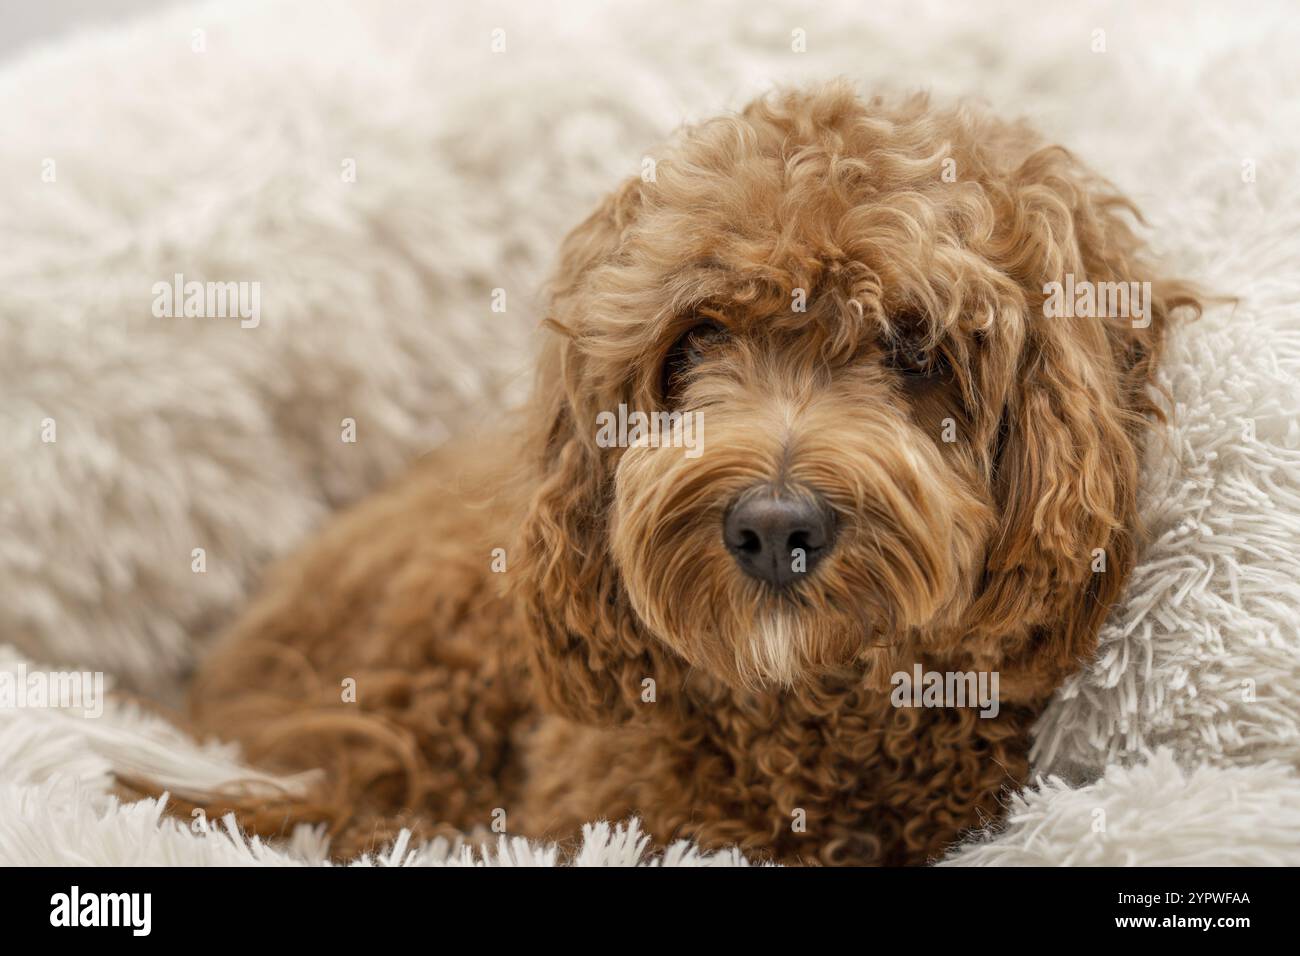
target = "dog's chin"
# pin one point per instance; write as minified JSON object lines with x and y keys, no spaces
{"x":772,"y":642}
{"x":786,"y":649}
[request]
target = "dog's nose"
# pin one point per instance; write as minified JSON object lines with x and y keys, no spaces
{"x":777,"y":535}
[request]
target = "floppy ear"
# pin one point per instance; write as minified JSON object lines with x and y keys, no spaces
{"x":1073,"y":424}
{"x":1065,"y":481}
{"x":586,"y":646}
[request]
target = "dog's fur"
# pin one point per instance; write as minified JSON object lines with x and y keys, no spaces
{"x":621,"y":663}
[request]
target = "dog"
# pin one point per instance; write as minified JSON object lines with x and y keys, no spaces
{"x":904,"y":464}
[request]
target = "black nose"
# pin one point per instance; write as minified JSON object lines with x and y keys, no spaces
{"x":778,"y":535}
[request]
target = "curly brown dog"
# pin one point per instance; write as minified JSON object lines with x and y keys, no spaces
{"x":902,"y":457}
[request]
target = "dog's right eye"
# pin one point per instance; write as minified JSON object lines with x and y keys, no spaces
{"x":913,"y":361}
{"x":690,"y":349}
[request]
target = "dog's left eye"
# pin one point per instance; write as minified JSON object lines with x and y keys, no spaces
{"x":917,"y":363}
{"x":690,"y":349}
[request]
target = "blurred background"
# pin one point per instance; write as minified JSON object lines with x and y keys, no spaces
{"x":27,"y":23}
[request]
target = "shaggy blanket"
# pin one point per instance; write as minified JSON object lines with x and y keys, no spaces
{"x":383,"y":168}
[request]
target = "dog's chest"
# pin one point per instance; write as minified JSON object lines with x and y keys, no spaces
{"x":846,"y":776}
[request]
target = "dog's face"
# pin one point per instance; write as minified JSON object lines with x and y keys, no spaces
{"x":821,"y":514}
{"x":880,"y":447}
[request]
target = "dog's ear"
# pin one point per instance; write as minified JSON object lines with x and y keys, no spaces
{"x":594,"y":239}
{"x":586,"y":647}
{"x":1075,"y":410}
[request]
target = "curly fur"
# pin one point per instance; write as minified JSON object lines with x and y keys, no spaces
{"x":528,"y":692}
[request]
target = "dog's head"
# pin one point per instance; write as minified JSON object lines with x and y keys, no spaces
{"x":865,"y":436}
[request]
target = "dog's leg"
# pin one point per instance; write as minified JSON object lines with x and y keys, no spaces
{"x":380,"y":654}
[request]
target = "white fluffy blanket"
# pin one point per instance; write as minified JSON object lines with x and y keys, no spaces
{"x":219,"y":154}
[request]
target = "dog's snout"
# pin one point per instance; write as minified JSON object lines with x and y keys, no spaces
{"x":777,"y":535}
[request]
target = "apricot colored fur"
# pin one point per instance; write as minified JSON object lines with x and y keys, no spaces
{"x":526,"y":691}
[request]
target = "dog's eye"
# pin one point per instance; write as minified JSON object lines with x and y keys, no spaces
{"x":690,"y":349}
{"x":915,"y":362}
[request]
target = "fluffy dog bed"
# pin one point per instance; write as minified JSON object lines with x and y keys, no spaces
{"x":1178,"y":745}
